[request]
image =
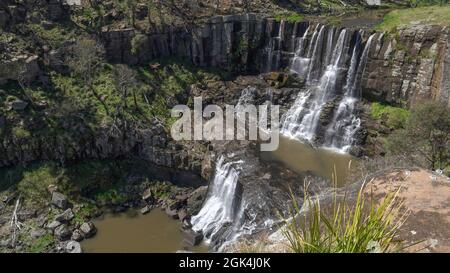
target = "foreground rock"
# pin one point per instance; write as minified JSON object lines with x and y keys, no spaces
{"x":59,"y":200}
{"x":426,"y":196}
{"x":88,"y":229}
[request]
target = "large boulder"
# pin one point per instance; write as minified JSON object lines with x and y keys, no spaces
{"x":63,"y":232}
{"x":88,"y":229}
{"x":65,"y":216}
{"x":73,"y":247}
{"x":59,"y":200}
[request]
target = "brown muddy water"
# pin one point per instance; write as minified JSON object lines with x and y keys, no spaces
{"x":301,"y":157}
{"x":132,"y":232}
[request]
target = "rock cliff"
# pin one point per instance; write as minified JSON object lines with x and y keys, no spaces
{"x":404,"y":66}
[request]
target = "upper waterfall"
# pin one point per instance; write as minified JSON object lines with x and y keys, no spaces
{"x":332,"y":64}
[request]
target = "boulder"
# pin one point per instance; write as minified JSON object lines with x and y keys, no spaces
{"x":59,"y":200}
{"x":19,"y":105}
{"x":54,"y":224}
{"x":63,"y":232}
{"x":88,"y":229}
{"x":65,"y":217}
{"x":36,"y":233}
{"x":192,"y":238}
{"x":146,"y":209}
{"x":77,"y":235}
{"x":183,"y":215}
{"x":73,"y":247}
{"x":172,"y":213}
{"x":147,"y":196}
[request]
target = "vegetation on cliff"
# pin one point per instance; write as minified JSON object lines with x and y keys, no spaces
{"x":431,"y":15}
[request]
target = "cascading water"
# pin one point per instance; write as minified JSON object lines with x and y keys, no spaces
{"x":328,"y":75}
{"x":340,"y":133}
{"x":223,"y":205}
{"x":274,"y":50}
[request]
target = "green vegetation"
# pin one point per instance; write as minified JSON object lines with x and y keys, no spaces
{"x":394,"y":117}
{"x":432,"y":15}
{"x":343,"y":228}
{"x":425,"y":139}
{"x":42,"y":244}
{"x":290,"y":17}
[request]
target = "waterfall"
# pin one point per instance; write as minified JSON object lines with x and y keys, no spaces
{"x":325,"y":112}
{"x":306,"y":110}
{"x":299,"y":63}
{"x":340,"y":133}
{"x":223,"y":205}
{"x":274,"y":49}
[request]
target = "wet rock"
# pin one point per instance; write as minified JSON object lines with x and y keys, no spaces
{"x":65,"y":217}
{"x":88,"y":229}
{"x":146,"y":209}
{"x":192,"y":238}
{"x":77,"y":235}
{"x":59,"y":200}
{"x":147,"y":196}
{"x":73,"y":247}
{"x":195,"y":200}
{"x":183,"y":215}
{"x":172,"y":213}
{"x":63,"y":232}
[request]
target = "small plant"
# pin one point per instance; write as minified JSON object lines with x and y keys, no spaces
{"x":395,"y":117}
{"x":359,"y":228}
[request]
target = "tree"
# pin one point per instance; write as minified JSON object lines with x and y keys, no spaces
{"x":131,"y":9}
{"x":125,"y":83}
{"x":426,"y":136}
{"x":86,"y":62}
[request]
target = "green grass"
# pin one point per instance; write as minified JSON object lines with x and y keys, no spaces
{"x":290,"y":17}
{"x":349,"y":228}
{"x":395,"y":117}
{"x":430,"y":15}
{"x":42,"y":244}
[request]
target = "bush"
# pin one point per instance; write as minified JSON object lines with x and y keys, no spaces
{"x":359,"y":228}
{"x":394,"y":117}
{"x":426,"y":137}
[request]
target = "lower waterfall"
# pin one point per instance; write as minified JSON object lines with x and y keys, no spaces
{"x":223,"y":207}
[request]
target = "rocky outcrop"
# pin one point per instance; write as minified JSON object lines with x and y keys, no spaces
{"x":409,"y":66}
{"x":22,"y":68}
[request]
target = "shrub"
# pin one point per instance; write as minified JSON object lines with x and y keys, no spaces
{"x":359,"y":228}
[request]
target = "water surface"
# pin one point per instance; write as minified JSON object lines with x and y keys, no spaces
{"x":301,"y":157}
{"x":132,"y":232}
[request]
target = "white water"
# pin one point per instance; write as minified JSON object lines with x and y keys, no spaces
{"x":275,"y":49}
{"x":222,"y":205}
{"x":330,"y":71}
{"x":340,"y":133}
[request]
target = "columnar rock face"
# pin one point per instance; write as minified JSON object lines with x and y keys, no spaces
{"x":409,"y":66}
{"x":403,"y":67}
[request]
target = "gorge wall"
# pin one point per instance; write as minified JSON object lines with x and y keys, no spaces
{"x":403,"y":67}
